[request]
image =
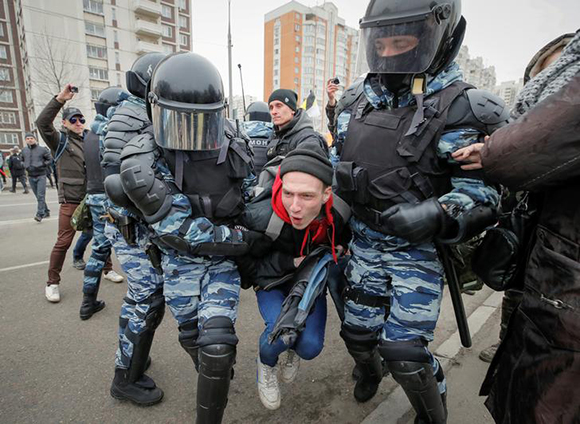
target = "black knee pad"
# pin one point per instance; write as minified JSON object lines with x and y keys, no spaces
{"x":156,"y":311}
{"x":217,"y":330}
{"x":411,"y":350}
{"x":188,"y":335}
{"x":359,"y":338}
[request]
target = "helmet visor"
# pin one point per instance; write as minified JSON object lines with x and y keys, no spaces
{"x":188,"y":130}
{"x":402,"y":47}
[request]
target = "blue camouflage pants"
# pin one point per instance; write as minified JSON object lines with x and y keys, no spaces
{"x":142,"y":283}
{"x":101,"y":248}
{"x":200,"y":288}
{"x":411,"y":275}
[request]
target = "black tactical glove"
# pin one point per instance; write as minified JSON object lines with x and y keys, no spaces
{"x":258,"y":243}
{"x":416,"y":223}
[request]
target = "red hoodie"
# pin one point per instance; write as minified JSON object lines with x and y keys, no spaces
{"x":317,"y":229}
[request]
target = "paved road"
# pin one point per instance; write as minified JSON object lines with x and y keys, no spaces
{"x":55,"y":368}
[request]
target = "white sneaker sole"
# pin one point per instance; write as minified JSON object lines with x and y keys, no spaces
{"x":272,"y":406}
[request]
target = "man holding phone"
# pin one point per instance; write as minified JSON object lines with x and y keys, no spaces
{"x":66,"y":146}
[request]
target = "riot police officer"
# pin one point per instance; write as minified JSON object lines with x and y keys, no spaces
{"x":395,"y":169}
{"x":186,"y":181}
{"x":259,"y":128}
{"x":144,"y":305}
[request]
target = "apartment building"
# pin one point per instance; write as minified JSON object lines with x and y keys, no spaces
{"x":509,"y":91}
{"x":91,"y":43}
{"x":14,"y":120}
{"x":306,"y":46}
{"x":474,"y":70}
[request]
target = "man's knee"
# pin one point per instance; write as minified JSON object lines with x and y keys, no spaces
{"x":217,"y":345}
{"x":410,"y":350}
{"x":309,"y":347}
{"x":358,"y":339}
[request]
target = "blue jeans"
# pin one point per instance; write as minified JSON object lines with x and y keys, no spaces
{"x":82,"y":243}
{"x":101,"y":244}
{"x":310,"y":341}
{"x":38,"y":185}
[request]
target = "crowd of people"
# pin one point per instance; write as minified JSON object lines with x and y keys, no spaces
{"x":197,"y":207}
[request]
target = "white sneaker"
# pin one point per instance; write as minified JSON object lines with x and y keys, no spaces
{"x":268,"y":388}
{"x":113,"y":276}
{"x":289,"y":368}
{"x":52,"y":294}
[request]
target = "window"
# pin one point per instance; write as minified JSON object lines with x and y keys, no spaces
{"x":166,"y":11}
{"x":296,"y":60}
{"x":113,"y":14}
{"x":4,"y":74}
{"x":93,"y":6}
{"x":298,"y":38}
{"x":100,"y":74}
{"x":276,"y":62}
{"x":183,"y":4}
{"x":116,"y":36}
{"x":276,"y":51}
{"x":276,"y":41}
{"x":296,"y":70}
{"x":167,"y":49}
{"x":167,"y":31}
{"x":95,"y":94}
{"x":8,"y":118}
{"x":2,"y":30}
{"x":309,"y":50}
{"x":97,"y":52}
{"x":275,"y":83}
{"x":117,"y":58}
{"x":3,"y":52}
{"x":309,"y":39}
{"x":275,"y":72}
{"x":183,"y":21}
{"x":8,"y":138}
{"x":296,"y":27}
{"x":298,"y":16}
{"x":6,"y":96}
{"x":297,"y":49}
{"x":119,"y":79}
{"x":94,"y":29}
{"x":184,"y":39}
{"x":295,"y":80}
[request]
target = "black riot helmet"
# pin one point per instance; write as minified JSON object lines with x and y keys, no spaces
{"x":186,"y":103}
{"x":412,"y":37}
{"x":141,"y":72}
{"x":258,"y":111}
{"x":108,"y":97}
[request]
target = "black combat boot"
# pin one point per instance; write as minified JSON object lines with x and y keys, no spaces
{"x":90,"y":305}
{"x":142,"y":392}
{"x":371,"y":373}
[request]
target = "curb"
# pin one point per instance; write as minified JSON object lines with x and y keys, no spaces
{"x":396,"y":405}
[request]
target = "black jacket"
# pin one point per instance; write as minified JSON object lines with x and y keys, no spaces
{"x":277,"y":267}
{"x":36,"y":160}
{"x":71,"y":165}
{"x":16,"y":165}
{"x":297,"y":131}
{"x":534,"y":377}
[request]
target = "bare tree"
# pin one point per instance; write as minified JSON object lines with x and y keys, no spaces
{"x":52,"y":67}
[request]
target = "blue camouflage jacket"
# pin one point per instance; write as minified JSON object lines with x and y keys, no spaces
{"x":466,"y":192}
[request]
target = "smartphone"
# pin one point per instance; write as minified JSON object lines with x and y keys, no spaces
{"x":74,"y":89}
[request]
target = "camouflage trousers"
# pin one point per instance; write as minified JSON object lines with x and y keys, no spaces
{"x":142,"y":282}
{"x":101,"y":247}
{"x":200,"y":288}
{"x":410,"y":275}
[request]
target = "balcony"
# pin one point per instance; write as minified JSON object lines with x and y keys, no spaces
{"x":148,"y":8}
{"x":145,"y":47}
{"x":148,"y":28}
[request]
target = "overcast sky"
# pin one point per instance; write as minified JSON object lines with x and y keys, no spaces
{"x":506,"y":33}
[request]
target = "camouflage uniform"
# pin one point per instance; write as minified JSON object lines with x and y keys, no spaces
{"x":101,"y":247}
{"x":410,"y":276}
{"x":144,"y":282}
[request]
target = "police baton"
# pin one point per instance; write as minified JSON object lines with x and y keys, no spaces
{"x":455,"y":292}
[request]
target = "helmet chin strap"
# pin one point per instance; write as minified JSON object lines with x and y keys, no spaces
{"x":418,"y":86}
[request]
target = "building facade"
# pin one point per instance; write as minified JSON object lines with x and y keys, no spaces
{"x":306,"y":46}
{"x":474,"y":70}
{"x":91,"y":43}
{"x":509,"y":91}
{"x":14,"y":121}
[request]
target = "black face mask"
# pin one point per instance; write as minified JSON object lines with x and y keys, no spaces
{"x":396,"y":83}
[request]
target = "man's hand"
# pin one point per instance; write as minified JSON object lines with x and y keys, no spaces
{"x":258,"y":243}
{"x":416,"y":223}
{"x":470,"y":154}
{"x":66,"y":94}
{"x":331,"y":89}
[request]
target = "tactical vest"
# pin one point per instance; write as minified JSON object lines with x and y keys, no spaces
{"x":93,"y":164}
{"x":212,"y":179}
{"x":381,"y":166}
{"x":260,"y":148}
